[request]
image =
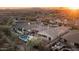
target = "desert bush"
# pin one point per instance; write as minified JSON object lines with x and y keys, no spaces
{"x":36,"y":43}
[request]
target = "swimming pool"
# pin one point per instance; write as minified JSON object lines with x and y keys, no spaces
{"x":24,"y":37}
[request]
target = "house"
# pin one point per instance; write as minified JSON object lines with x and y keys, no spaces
{"x":72,"y":36}
{"x":53,"y":33}
{"x":49,"y":34}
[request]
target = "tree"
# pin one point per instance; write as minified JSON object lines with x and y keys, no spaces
{"x":36,"y":43}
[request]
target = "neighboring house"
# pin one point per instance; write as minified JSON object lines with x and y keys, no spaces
{"x":53,"y":33}
{"x":72,"y":36}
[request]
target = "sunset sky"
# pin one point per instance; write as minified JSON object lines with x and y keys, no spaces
{"x":39,"y":3}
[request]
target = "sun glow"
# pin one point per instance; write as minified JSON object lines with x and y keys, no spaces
{"x":73,"y":8}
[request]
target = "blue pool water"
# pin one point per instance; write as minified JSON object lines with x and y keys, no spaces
{"x":24,"y":37}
